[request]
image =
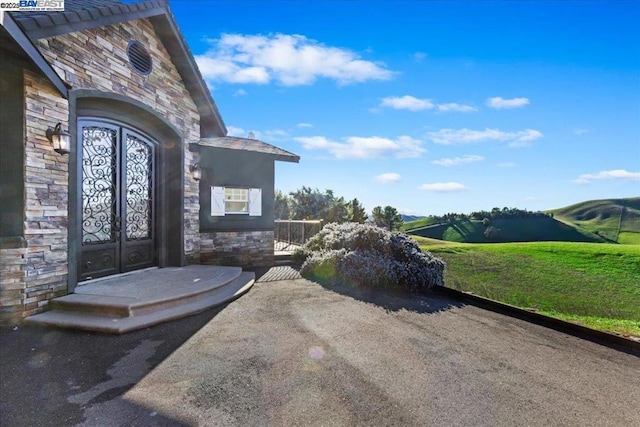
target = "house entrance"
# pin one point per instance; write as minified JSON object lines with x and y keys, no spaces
{"x":117,"y":168}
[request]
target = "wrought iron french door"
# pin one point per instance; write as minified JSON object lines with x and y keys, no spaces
{"x":118,"y":197}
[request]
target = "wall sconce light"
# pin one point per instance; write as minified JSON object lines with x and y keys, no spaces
{"x":60,"y":139}
{"x":197,"y":172}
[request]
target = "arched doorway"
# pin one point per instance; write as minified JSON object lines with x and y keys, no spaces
{"x":119,"y":195}
{"x":143,"y":218}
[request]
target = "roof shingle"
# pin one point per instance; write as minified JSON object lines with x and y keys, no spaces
{"x":79,"y":12}
{"x":249,"y":144}
{"x":70,"y":7}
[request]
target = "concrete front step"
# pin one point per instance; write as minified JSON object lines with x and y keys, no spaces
{"x":169,"y":294}
{"x":101,"y":298}
{"x":283,"y":258}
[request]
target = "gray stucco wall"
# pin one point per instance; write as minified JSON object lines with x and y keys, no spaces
{"x":11,"y":147}
{"x":233,"y":168}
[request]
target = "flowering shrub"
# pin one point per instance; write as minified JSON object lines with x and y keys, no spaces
{"x":366,"y":255}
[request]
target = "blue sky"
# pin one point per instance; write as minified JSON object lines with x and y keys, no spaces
{"x":432,"y":107}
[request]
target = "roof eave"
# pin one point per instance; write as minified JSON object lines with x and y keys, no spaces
{"x":276,"y":157}
{"x":289,"y":157}
{"x":98,"y":17}
{"x":33,"y":53}
{"x":191,"y":76}
{"x":141,"y":10}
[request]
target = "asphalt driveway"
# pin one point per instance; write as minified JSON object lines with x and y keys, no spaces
{"x":295,"y":353}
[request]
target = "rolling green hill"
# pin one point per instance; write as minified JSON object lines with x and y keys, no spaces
{"x":418,"y":223}
{"x":528,"y":229}
{"x":410,"y":218}
{"x":617,"y":220}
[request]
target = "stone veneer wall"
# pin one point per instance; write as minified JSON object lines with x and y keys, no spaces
{"x":34,"y":269}
{"x":245,"y":249}
{"x":97,"y":59}
{"x":13,"y":258}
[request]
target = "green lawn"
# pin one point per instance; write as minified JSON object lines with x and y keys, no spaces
{"x":629,"y":238}
{"x":594,"y":284}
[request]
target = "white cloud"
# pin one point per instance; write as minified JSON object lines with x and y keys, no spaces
{"x":604,"y":175}
{"x":387,"y":178}
{"x":265,"y":135}
{"x":236,"y":131}
{"x":274,"y":134}
{"x":240,"y":92}
{"x":290,"y":60}
{"x":580,"y":131}
{"x":214,"y":69}
{"x":472,"y":158}
{"x":525,"y":138}
{"x":411,"y":103}
{"x":467,"y":136}
{"x":528,"y":135}
{"x":407,"y":102}
{"x":304,"y":125}
{"x":419,"y":56}
{"x":355,"y":147}
{"x":507,"y":165}
{"x":500,"y":103}
{"x":443,"y":187}
{"x":460,"y":108}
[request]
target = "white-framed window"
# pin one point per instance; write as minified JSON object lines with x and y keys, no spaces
{"x":236,"y":201}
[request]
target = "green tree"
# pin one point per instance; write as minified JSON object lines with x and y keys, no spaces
{"x":282,"y":206}
{"x":311,"y":203}
{"x":336,"y":211}
{"x":306,"y":203}
{"x":492,"y":232}
{"x":357,"y":212}
{"x":387,"y":217}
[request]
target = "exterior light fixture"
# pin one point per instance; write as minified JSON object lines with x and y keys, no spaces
{"x":197,"y":172}
{"x":60,"y":139}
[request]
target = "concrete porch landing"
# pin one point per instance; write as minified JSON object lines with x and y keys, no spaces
{"x":136,"y":300}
